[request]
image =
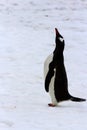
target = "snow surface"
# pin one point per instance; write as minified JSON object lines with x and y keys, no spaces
{"x":27,"y":37}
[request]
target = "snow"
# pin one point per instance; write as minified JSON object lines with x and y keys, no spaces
{"x":27,"y":37}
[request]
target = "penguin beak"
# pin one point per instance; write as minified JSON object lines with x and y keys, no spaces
{"x":56,"y":31}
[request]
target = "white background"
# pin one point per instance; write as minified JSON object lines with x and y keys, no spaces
{"x":27,"y":37}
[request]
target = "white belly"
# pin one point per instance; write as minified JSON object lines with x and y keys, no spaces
{"x":51,"y":85}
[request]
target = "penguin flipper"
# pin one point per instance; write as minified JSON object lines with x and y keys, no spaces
{"x":48,"y":79}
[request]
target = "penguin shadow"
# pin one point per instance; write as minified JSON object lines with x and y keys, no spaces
{"x":68,"y":105}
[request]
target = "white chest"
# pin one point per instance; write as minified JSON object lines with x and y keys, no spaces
{"x":46,"y":64}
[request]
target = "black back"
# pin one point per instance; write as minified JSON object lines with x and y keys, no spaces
{"x":61,"y":82}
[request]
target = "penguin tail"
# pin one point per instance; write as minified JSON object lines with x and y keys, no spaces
{"x":76,"y":99}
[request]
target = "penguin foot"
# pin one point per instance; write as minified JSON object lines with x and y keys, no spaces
{"x":51,"y":105}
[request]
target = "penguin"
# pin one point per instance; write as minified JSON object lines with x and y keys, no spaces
{"x":56,"y":81}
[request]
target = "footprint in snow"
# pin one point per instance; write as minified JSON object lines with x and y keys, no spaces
{"x":6,"y":123}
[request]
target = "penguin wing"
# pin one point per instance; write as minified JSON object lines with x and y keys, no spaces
{"x":49,"y":75}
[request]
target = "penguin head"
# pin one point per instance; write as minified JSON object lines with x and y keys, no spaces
{"x":59,"y":40}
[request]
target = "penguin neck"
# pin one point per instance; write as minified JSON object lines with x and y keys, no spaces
{"x":59,"y":58}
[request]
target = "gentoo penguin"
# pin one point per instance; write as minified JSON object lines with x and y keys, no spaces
{"x":56,"y":82}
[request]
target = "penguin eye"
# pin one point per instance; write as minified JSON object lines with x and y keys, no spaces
{"x":61,"y":39}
